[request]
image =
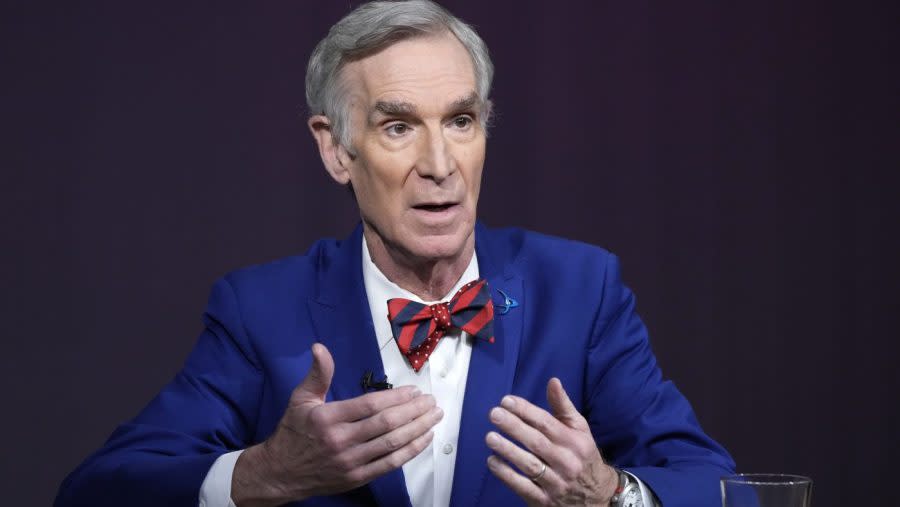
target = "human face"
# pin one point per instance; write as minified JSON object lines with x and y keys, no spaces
{"x":419,"y":147}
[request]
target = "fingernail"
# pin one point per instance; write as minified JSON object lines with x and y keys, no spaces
{"x":438,"y":412}
{"x":492,"y":461}
{"x":493,"y":438}
{"x":508,"y":402}
{"x":497,"y":414}
{"x":415,"y":392}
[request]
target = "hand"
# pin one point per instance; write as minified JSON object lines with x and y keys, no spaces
{"x":323,"y":448}
{"x":575,"y":473}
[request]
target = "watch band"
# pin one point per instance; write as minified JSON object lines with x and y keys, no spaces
{"x":623,"y":481}
{"x":628,"y":492}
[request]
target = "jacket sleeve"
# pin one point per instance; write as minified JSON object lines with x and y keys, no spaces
{"x":641,"y":422}
{"x":162,"y":456}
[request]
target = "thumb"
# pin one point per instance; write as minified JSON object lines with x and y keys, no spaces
{"x":318,"y":379}
{"x":562,"y":407}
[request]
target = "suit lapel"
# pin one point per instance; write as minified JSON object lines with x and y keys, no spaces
{"x":491,"y":373}
{"x":343,"y":323}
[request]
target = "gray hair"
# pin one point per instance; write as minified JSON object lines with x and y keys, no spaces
{"x":367,"y":30}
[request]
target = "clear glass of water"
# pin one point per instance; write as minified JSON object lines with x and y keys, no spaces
{"x":766,"y":490}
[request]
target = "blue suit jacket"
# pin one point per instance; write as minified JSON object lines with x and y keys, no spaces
{"x":575,"y":320}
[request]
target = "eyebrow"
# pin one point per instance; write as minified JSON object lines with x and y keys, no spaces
{"x":391,"y":108}
{"x":401,"y":108}
{"x":394,"y":108}
{"x":465,"y":103}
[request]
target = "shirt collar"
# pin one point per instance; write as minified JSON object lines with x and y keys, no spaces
{"x":379,"y":289}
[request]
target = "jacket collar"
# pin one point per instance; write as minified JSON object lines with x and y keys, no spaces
{"x":492,"y":367}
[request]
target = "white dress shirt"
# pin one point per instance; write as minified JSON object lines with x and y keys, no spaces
{"x":429,"y":476}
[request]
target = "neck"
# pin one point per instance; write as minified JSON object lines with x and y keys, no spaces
{"x":430,"y":279}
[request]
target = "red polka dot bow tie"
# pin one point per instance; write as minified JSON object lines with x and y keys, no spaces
{"x":418,"y":327}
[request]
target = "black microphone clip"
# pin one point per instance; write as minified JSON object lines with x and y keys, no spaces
{"x":368,"y":385}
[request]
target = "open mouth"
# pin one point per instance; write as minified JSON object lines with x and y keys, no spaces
{"x":434,"y":207}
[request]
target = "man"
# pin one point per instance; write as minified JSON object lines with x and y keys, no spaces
{"x":514,"y":357}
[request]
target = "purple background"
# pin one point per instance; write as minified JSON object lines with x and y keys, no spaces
{"x":740,"y":158}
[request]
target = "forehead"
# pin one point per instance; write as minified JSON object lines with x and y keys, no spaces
{"x":420,"y":70}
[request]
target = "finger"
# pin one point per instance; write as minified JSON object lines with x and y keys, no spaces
{"x":562,"y":406}
{"x":396,"y":439}
{"x":315,"y":386}
{"x":537,"y":418}
{"x":522,"y":486}
{"x":527,"y":463}
{"x":392,"y":461}
{"x":554,"y":454}
{"x":361,"y":407}
{"x":390,"y":418}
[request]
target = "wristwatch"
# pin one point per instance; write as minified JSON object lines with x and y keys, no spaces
{"x":628,"y":494}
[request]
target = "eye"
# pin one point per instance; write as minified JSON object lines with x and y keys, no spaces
{"x":462,"y":122}
{"x":397,"y":129}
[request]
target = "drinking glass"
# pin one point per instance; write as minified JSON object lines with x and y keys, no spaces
{"x":766,"y":490}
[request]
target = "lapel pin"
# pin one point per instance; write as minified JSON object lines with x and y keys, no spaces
{"x":508,"y":303}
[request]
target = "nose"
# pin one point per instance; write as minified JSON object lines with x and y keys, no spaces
{"x":436,"y":160}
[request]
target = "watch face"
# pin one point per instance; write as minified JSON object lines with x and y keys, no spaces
{"x":632,"y":498}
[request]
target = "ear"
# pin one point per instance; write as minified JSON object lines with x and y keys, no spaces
{"x":334,"y":156}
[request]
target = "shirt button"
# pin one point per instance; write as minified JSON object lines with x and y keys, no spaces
{"x":448,"y":448}
{"x":443,"y":373}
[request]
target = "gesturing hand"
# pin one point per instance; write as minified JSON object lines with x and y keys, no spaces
{"x":323,"y":448}
{"x":560,"y":464}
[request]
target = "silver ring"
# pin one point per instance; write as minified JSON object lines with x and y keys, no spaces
{"x":540,"y":474}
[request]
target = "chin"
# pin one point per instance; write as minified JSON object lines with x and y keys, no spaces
{"x":439,"y":246}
